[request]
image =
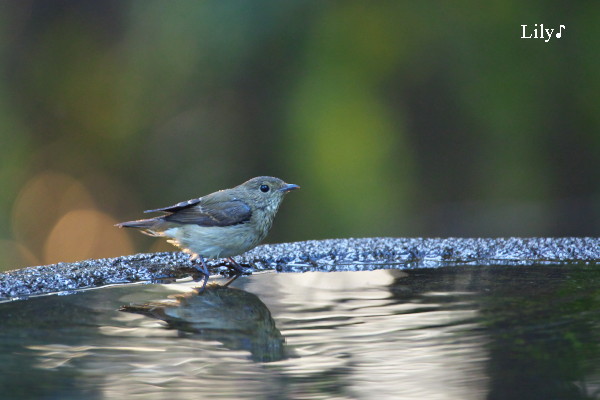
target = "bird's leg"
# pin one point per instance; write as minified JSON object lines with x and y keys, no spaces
{"x":203,"y":268}
{"x":237,"y":267}
{"x":237,"y":270}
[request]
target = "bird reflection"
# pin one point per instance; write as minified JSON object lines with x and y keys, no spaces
{"x":237,"y":319}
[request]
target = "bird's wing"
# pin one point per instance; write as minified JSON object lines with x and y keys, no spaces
{"x":178,"y":206}
{"x":220,"y":213}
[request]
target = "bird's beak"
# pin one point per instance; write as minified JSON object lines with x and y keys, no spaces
{"x":288,"y":187}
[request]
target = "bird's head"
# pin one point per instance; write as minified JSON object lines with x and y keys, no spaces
{"x":266,"y":192}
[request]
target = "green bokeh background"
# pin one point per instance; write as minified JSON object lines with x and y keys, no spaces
{"x":397,"y":118}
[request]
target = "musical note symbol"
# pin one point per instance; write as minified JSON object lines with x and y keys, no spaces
{"x":559,"y":33}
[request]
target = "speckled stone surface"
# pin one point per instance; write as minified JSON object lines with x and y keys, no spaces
{"x":314,"y":255}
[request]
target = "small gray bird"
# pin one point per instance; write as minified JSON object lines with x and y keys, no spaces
{"x":222,"y":224}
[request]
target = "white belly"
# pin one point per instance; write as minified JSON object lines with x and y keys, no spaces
{"x":214,"y":242}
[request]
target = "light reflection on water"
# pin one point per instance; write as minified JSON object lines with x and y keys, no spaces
{"x":453,"y":333}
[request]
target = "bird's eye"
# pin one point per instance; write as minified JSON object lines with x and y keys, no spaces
{"x":264,"y":188}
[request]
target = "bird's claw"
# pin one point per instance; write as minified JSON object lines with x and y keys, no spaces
{"x":243,"y":269}
{"x":201,"y":271}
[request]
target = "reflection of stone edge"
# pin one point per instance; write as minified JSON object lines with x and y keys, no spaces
{"x":313,"y":255}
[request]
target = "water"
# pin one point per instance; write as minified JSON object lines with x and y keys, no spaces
{"x":447,"y":333}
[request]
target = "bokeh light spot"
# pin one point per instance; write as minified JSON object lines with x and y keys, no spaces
{"x":83,"y":234}
{"x":41,"y":202}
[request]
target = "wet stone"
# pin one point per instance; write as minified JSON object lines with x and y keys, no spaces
{"x":313,"y":255}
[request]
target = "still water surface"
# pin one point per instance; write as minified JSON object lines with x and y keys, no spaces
{"x":449,"y":333}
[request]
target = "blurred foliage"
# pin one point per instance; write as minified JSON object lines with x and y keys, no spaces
{"x":396,"y":118}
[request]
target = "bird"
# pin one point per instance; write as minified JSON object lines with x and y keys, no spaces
{"x":222,"y":224}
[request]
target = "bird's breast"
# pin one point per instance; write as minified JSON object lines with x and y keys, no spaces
{"x":262,"y":220}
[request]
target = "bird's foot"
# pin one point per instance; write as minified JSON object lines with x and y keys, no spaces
{"x":234,"y":270}
{"x":239,"y":269}
{"x":203,"y":269}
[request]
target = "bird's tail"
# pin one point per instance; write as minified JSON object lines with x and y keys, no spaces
{"x":147,"y":226}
